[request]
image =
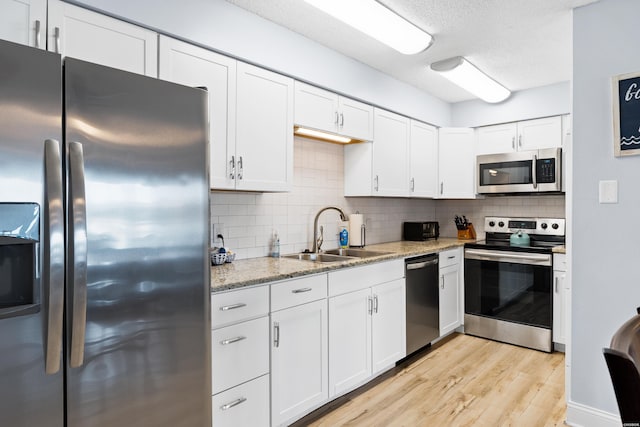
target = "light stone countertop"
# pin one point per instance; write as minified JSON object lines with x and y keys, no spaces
{"x":559,"y":249}
{"x":254,"y":271}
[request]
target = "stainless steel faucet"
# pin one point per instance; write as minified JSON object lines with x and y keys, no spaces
{"x":317,"y":241}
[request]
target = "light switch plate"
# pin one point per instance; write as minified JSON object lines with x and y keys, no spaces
{"x":608,"y":192}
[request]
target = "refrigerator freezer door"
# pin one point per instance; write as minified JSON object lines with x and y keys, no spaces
{"x":147,"y":333}
{"x":30,"y":101}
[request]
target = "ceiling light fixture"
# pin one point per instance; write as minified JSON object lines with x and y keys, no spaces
{"x":464,"y":74}
{"x":378,"y":22}
{"x":323,"y":136}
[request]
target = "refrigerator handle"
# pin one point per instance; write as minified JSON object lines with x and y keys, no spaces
{"x":53,"y":262}
{"x":77,"y":253}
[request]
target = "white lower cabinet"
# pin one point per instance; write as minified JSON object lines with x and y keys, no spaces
{"x":244,"y":405}
{"x":367,"y":330}
{"x":450,"y":290}
{"x":299,"y":352}
{"x":560,"y":299}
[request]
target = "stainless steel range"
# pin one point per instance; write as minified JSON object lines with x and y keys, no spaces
{"x":509,"y":281}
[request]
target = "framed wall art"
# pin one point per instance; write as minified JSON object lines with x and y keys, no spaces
{"x":626,"y":114}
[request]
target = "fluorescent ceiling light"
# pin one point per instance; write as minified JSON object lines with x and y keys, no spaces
{"x":316,"y":134}
{"x":378,"y":22}
{"x":464,"y":74}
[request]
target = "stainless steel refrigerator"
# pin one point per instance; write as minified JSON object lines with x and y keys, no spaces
{"x":104,"y":276}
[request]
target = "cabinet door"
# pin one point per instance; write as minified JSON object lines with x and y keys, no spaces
{"x":264,"y":130}
{"x":24,"y":22}
{"x":190,"y":65}
{"x":316,"y":108}
{"x":390,"y":154}
{"x":358,"y":169}
{"x":559,"y":307}
{"x":90,"y":36}
{"x":423,"y":160}
{"x":299,"y":360}
{"x":349,"y":341}
{"x":388,"y":329}
{"x":449,"y":298}
{"x":540,"y":133}
{"x":497,"y":139}
{"x":355,"y":119}
{"x":456,"y":166}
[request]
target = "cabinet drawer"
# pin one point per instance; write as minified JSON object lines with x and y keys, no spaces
{"x":560,"y":262}
{"x":354,"y":279}
{"x":236,"y":306}
{"x":245,"y":405}
{"x":450,"y":257}
{"x":239,"y":353}
{"x":298,"y":291}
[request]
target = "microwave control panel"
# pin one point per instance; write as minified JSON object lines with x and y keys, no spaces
{"x":546,"y":171}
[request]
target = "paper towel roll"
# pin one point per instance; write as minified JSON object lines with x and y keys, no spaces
{"x":356,"y":230}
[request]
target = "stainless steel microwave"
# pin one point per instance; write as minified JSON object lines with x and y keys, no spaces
{"x":520,"y":172}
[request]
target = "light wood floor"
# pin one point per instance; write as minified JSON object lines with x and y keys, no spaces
{"x":464,"y":381}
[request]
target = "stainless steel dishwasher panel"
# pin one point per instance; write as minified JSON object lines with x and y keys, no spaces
{"x":423,"y":315}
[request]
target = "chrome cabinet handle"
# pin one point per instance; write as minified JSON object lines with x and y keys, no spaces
{"x":301,"y":290}
{"x":77,"y":270}
{"x":53,"y":264}
{"x":341,"y":120}
{"x":337,"y":120}
{"x":37,"y":41}
{"x":451,"y":257}
{"x":556,"y":285}
{"x":441,"y":187}
{"x":513,"y":142}
{"x":234,"y":403}
{"x":232,"y":340}
{"x":370,"y":305}
{"x":520,"y":140}
{"x":375,"y":303}
{"x":442,"y":282}
{"x":413,"y":185}
{"x":276,"y":334}
{"x":240,"y":167}
{"x":375,"y":183}
{"x":232,"y":306}
{"x":56,"y":36}
{"x":232,"y":167}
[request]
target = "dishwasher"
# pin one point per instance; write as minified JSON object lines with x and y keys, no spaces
{"x":423,"y":313}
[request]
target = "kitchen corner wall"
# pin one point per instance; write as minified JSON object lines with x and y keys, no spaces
{"x":248,"y":220}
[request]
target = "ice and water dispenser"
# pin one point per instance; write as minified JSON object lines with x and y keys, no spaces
{"x":19,"y":259}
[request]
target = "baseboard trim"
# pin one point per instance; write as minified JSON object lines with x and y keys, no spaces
{"x":585,"y":416}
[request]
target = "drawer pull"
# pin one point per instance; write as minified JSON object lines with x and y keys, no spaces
{"x":301,"y":290}
{"x":451,"y":257}
{"x":234,"y":403}
{"x":232,"y":340}
{"x":232,"y":306}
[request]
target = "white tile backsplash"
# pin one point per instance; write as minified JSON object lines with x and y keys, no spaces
{"x":247,"y":220}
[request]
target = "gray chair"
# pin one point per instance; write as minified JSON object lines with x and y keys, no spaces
{"x":623,"y":361}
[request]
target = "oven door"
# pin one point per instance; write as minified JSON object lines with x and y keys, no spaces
{"x":506,"y":173}
{"x":509,"y":286}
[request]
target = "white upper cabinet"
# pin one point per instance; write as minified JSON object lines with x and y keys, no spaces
{"x":83,"y":34}
{"x":24,"y":22}
{"x":264,"y":130}
{"x":190,"y":65}
{"x":520,"y":136}
{"x":390,"y":154}
{"x":320,"y":109}
{"x":423,"y":160}
{"x":456,"y":166}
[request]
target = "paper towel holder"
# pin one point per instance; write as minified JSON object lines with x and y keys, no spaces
{"x":353,"y":241}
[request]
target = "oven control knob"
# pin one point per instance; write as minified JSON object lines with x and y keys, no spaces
{"x":501,"y":224}
{"x":492,"y":223}
{"x":554,"y":226}
{"x":543,"y":225}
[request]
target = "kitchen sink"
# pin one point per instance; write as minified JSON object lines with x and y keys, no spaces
{"x":357,"y":253}
{"x":323,"y":257}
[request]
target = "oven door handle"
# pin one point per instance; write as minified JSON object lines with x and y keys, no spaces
{"x":505,"y":256}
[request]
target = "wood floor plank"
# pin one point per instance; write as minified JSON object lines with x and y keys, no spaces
{"x":463,"y":381}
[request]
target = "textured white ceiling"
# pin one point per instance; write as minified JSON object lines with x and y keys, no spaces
{"x":520,"y":43}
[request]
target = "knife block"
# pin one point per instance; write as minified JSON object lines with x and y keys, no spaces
{"x":468,"y":233}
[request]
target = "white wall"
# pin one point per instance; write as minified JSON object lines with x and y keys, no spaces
{"x":604,"y":242}
{"x":533,"y":103}
{"x":229,"y":29}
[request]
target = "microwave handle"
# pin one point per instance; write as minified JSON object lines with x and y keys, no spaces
{"x":535,"y":168}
